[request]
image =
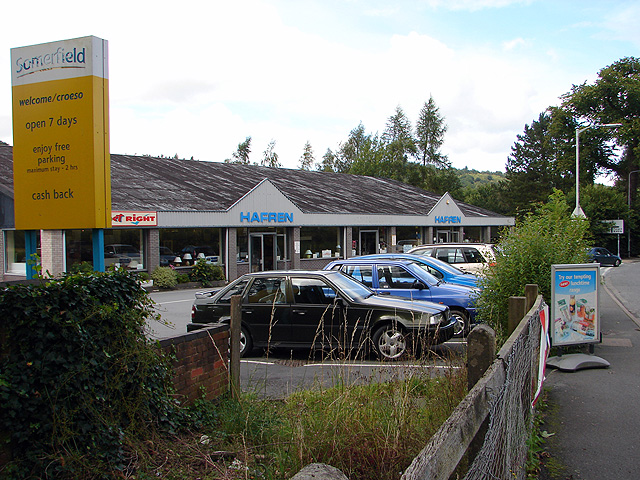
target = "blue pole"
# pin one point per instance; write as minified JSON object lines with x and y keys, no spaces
{"x":98,"y":249}
{"x":31,"y":250}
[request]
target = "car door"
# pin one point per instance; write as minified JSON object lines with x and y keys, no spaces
{"x":316,"y":314}
{"x":209,"y":311}
{"x":362,"y":273}
{"x":266,"y":310}
{"x":398,"y":281}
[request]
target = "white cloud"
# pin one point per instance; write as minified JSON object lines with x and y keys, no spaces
{"x":514,"y":44}
{"x":199,"y":79}
{"x":474,"y":5}
{"x":623,"y":24}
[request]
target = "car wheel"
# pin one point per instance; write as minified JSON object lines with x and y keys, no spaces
{"x":246,"y":344}
{"x":390,"y":342}
{"x":461,"y":328}
{"x":616,"y":263}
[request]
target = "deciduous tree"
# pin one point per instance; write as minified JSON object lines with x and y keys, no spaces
{"x":307,"y":159}
{"x":270,"y":157}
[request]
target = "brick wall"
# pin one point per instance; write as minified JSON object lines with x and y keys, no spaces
{"x":52,"y":244}
{"x":200,"y":362}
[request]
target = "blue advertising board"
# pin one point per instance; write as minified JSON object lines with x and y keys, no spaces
{"x":575,"y":312}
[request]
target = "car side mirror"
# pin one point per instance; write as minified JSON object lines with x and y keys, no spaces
{"x":341,"y":301}
{"x":419,"y":285}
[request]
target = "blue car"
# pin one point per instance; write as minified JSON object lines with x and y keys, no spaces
{"x":405,"y":278}
{"x":604,"y":257}
{"x":441,"y":270}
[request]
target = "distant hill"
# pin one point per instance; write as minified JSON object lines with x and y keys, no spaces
{"x":474,"y":178}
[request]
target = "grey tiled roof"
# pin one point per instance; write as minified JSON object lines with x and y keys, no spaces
{"x":164,"y":184}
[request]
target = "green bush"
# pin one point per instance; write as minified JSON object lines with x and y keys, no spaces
{"x":550,"y":236}
{"x":144,"y":276}
{"x":78,"y":377}
{"x":164,"y":277}
{"x":206,"y":273}
{"x":183,"y":277}
{"x":82,"y":267}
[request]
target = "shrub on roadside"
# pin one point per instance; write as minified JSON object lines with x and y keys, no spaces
{"x":78,"y":378}
{"x":550,"y":236}
{"x":164,"y":277}
{"x":205,"y":272}
{"x":82,"y":267}
{"x":182,"y":278}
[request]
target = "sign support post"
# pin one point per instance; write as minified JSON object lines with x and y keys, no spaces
{"x":31,"y":252}
{"x":97,"y":235}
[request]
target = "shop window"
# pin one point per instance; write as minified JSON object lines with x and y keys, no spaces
{"x":124,"y":248}
{"x":16,"y":252}
{"x":318,"y":242}
{"x":189,"y":244}
{"x":78,"y":247}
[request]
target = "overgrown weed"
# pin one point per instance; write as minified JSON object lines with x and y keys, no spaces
{"x":367,"y":430}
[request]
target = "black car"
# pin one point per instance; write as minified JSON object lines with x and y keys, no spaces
{"x":604,"y":257}
{"x":321,"y":310}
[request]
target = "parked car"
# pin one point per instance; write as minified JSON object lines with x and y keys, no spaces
{"x":439,"y":269}
{"x":604,"y":257}
{"x":320,"y":310}
{"x":405,"y":278}
{"x":124,"y":255}
{"x":470,"y":257}
{"x":166,"y":256}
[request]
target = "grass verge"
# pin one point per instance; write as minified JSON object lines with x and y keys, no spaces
{"x":367,"y":431}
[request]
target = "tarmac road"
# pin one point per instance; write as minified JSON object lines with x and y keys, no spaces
{"x":593,"y":414}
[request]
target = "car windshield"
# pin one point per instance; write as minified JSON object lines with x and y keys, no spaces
{"x":443,"y":266}
{"x":422,"y":274}
{"x":126,"y":249}
{"x":350,"y":287}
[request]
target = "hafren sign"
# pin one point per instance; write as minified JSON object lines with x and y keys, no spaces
{"x":61,"y":168}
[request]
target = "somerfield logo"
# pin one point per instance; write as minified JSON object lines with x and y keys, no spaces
{"x":60,"y":58}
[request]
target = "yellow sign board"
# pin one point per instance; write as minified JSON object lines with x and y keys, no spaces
{"x":61,"y":165}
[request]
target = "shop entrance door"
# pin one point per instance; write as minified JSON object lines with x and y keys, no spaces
{"x":368,"y":242}
{"x":262,"y":251}
{"x":447,"y":236}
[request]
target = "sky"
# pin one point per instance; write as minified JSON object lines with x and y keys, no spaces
{"x":196,"y":78}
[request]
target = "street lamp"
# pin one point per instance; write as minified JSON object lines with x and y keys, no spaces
{"x":578,"y":211}
{"x":629,"y":204}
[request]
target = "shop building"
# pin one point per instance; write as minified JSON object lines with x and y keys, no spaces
{"x":245,"y":217}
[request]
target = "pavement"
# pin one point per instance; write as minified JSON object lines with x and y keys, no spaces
{"x":593,"y":415}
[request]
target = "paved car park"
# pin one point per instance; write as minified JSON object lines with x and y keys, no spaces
{"x":276,"y":373}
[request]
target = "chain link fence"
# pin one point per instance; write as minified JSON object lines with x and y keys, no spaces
{"x":504,"y":452}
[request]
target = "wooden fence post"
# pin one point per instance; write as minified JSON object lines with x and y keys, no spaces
{"x":236,"y":325}
{"x":531,"y":294}
{"x":481,"y":352}
{"x":517,"y":311}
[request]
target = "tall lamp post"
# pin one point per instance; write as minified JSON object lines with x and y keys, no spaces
{"x":629,"y":204}
{"x":577,"y":212}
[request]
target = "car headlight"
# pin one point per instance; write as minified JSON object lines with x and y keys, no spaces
{"x":438,"y":318}
{"x":432,"y":318}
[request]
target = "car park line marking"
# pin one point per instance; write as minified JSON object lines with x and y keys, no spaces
{"x":361,"y":365}
{"x":257,"y":362}
{"x":382,"y":365}
{"x":176,"y":301}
